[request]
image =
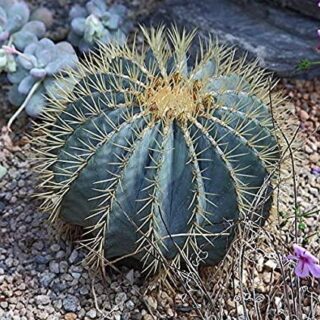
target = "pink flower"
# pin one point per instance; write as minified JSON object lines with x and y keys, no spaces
{"x":306,"y":262}
{"x":10,"y":50}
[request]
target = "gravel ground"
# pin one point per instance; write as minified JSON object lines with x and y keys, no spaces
{"x":304,"y":97}
{"x":41,"y":275}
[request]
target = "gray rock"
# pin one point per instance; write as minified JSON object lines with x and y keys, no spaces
{"x":70,"y":303}
{"x":121,"y":297}
{"x":64,"y":266}
{"x":279,"y":38}
{"x":42,"y":300}
{"x":76,"y":275}
{"x":54,"y":267}
{"x":9,"y":262}
{"x":21,"y":183}
{"x":46,"y":279}
{"x":38,"y":245}
{"x":60,"y":254}
{"x":57,"y":304}
{"x":11,"y":186}
{"x":73,"y":256}
{"x":58,"y":286}
{"x":92,"y":314}
{"x":13,"y":200}
{"x":42,"y":315}
{"x":130,"y":276}
{"x":2,"y":206}
{"x":41,"y":259}
{"x":130,"y":305}
{"x":55,"y":247}
{"x":307,"y":7}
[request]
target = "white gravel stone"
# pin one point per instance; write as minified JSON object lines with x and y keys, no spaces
{"x":73,"y":256}
{"x":92,"y":314}
{"x":42,"y":300}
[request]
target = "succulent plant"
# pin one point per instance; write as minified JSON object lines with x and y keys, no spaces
{"x":7,"y":62}
{"x":17,"y":30}
{"x":156,"y":158}
{"x":96,"y":22}
{"x":13,"y":16}
{"x":34,"y":75}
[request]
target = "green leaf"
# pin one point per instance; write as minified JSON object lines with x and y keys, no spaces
{"x":304,"y":64}
{"x":302,"y":226}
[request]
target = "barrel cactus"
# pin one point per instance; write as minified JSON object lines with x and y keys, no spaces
{"x":157,"y":158}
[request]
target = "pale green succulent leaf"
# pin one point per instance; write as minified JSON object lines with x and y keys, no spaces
{"x":26,"y":84}
{"x":93,"y":29}
{"x":38,"y":73}
{"x":17,"y":15}
{"x":36,"y":104}
{"x":96,"y":7}
{"x":14,"y":96}
{"x":38,"y":28}
{"x":78,"y":25}
{"x":77,"y":12}
{"x":18,"y":75}
{"x":22,"y":39}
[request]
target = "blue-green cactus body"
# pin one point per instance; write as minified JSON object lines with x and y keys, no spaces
{"x":159,"y":164}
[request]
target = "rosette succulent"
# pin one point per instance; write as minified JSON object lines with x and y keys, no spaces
{"x":158,"y":158}
{"x":34,"y":75}
{"x":17,"y":30}
{"x":96,"y":22}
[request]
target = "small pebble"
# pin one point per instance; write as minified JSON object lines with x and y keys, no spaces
{"x":70,"y":303}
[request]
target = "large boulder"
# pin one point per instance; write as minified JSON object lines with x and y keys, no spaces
{"x":279,"y":37}
{"x":307,"y":7}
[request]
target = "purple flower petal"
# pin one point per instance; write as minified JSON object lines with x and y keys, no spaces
{"x":302,"y":269}
{"x":315,"y":170}
{"x":314,"y":270}
{"x":310,"y":257}
{"x":292,"y":257}
{"x":307,"y":263}
{"x":298,"y":251}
